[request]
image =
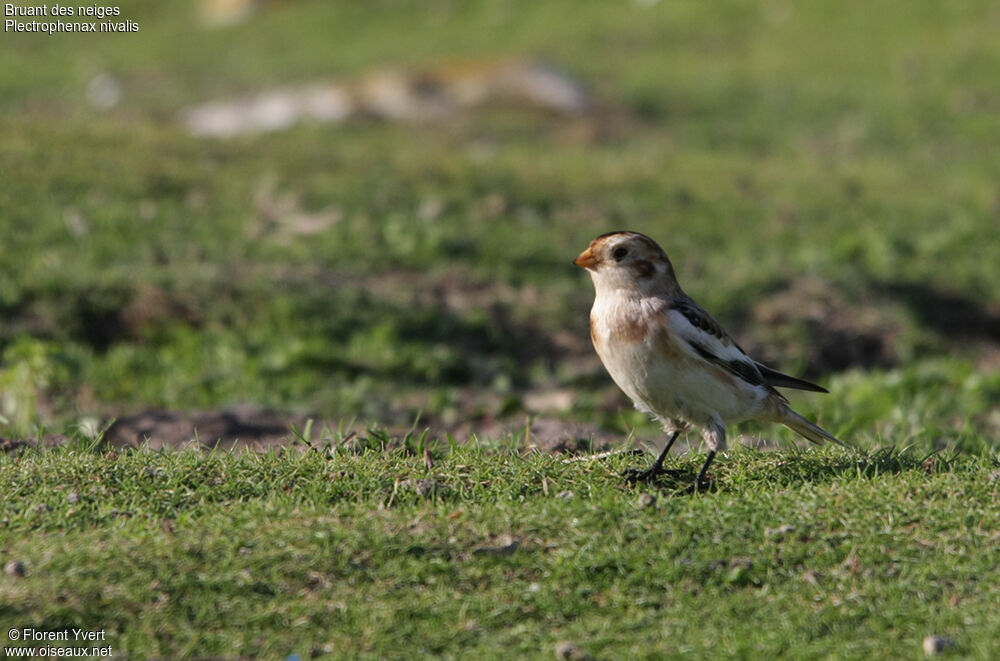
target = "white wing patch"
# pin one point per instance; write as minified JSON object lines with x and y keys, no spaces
{"x":703,"y":338}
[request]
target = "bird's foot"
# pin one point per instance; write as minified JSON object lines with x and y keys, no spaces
{"x":702,"y":484}
{"x":634,"y":475}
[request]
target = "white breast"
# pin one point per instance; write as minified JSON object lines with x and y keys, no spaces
{"x":661,"y":376}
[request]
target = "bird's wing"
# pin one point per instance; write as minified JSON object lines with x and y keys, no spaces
{"x":704,"y":337}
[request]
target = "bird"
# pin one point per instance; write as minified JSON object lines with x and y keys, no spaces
{"x":672,"y":358}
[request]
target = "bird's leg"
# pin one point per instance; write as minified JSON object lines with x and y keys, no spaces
{"x":636,"y":475}
{"x":700,"y":481}
{"x":715,"y":439}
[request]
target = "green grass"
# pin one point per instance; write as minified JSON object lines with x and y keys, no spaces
{"x":761,"y":146}
{"x":190,"y":554}
{"x":823,"y":176}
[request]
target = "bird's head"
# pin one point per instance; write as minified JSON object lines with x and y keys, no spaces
{"x":629,"y":261}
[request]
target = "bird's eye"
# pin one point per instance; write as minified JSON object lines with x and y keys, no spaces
{"x":619,"y":254}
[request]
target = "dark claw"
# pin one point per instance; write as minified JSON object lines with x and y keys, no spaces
{"x":634,"y":475}
{"x":697,"y":485}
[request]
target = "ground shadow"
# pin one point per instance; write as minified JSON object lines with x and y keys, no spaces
{"x":789,"y":469}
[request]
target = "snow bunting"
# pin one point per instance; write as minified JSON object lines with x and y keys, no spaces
{"x":671,"y":357}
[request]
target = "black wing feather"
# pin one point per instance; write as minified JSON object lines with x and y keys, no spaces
{"x":745,"y":370}
{"x":699,"y":318}
{"x":780,"y":380}
{"x":750,"y":371}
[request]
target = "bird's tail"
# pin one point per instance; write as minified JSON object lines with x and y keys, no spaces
{"x":804,"y":428}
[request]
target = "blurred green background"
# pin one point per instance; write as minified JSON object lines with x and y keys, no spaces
{"x":824,"y":176}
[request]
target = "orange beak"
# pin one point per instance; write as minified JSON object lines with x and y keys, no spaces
{"x":586,"y":259}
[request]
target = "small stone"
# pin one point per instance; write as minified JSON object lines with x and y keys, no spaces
{"x":423,"y":488}
{"x":507,"y":546}
{"x":571,"y":651}
{"x":430,"y":208}
{"x":72,"y":498}
{"x":646,"y":500}
{"x":780,"y":531}
{"x":565,"y":495}
{"x":937,"y":644}
{"x":426,"y":488}
{"x":14,"y":568}
{"x":811,"y":577}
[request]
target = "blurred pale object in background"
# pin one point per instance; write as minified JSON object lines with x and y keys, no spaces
{"x":221,"y":13}
{"x":425,"y":95}
{"x":272,"y":110}
{"x":104,"y":92}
